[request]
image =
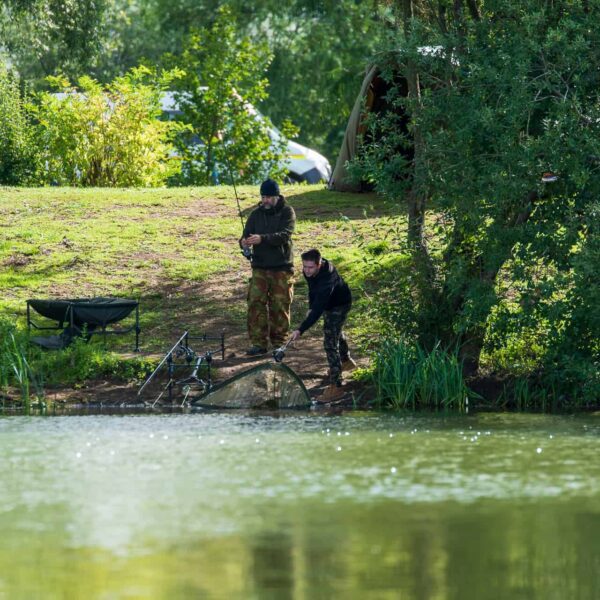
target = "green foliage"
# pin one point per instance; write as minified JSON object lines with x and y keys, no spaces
{"x":529,"y":394}
{"x":43,"y":37}
{"x":16,"y":360}
{"x":224,"y":77}
{"x":82,"y":361}
{"x":406,"y":376}
{"x":321,"y":51}
{"x":509,"y":268}
{"x":25,"y":366}
{"x":17,"y":151}
{"x":107,"y":136}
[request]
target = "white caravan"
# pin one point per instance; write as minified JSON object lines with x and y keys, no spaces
{"x":302,"y":163}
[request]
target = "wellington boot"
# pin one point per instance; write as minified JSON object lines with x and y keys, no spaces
{"x":348,"y":365}
{"x":332,"y":393}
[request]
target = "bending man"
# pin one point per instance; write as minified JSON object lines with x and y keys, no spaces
{"x":268,"y":232}
{"x":328,"y":295}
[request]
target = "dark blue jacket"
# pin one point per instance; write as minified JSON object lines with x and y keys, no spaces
{"x":326,"y":290}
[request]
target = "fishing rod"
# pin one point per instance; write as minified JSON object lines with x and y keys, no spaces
{"x":246,"y":251}
{"x":162,"y":362}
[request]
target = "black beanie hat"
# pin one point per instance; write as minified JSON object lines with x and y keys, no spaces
{"x":269,"y":188}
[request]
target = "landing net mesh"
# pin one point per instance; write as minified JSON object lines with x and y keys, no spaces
{"x":270,"y":385}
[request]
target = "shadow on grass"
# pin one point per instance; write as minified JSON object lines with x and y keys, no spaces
{"x":323,"y":204}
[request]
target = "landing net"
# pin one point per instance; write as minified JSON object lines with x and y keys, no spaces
{"x":270,"y":385}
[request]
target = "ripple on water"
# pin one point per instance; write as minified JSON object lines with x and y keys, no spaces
{"x":206,"y":472}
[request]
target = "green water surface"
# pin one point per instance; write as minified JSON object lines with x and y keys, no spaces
{"x":300,"y":506}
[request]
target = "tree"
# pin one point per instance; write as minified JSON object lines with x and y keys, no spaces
{"x":510,"y":92}
{"x":224,"y":79}
{"x":321,"y":52}
{"x":43,"y":37}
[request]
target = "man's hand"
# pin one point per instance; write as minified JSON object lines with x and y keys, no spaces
{"x":252,"y":240}
{"x":295,"y":335}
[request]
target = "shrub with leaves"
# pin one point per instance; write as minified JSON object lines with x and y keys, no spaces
{"x":82,"y":361}
{"x":105,"y":136}
{"x":17,"y":151}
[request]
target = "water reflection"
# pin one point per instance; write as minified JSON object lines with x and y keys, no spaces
{"x":179,"y":506}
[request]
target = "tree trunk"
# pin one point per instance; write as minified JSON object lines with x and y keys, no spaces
{"x":417,"y":196}
{"x":471,"y":341}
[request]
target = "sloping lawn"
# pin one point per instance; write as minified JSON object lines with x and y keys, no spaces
{"x":175,"y":249}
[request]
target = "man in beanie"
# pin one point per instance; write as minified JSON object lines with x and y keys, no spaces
{"x":330,"y":296}
{"x":268,"y":233}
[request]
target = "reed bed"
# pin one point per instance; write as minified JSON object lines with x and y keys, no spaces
{"x":15,"y":367}
{"x":408,"y":377}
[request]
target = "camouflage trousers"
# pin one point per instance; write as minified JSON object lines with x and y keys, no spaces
{"x":334,"y":341}
{"x":270,"y":295}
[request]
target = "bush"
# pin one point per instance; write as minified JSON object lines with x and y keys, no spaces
{"x":17,"y":150}
{"x":82,"y":361}
{"x":106,"y":136}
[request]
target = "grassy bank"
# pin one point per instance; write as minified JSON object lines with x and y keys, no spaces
{"x":176,"y":251}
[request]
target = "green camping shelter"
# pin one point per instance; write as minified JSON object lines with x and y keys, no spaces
{"x":339,"y":178}
{"x":372,"y":99}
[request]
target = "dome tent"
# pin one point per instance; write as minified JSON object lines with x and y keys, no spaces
{"x":370,"y":100}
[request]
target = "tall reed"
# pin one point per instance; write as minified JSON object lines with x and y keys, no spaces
{"x":18,"y":361}
{"x":524,"y":394}
{"x":407,"y":376}
{"x":15,"y":368}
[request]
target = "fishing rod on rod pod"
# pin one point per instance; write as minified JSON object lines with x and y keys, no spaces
{"x":246,"y":251}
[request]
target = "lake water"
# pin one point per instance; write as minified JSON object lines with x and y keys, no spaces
{"x":300,"y":506}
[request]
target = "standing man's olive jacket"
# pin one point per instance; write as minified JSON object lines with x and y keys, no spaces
{"x":275,"y":227}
